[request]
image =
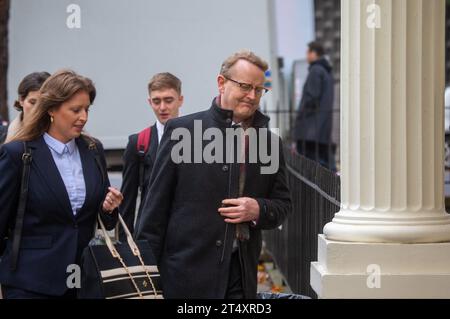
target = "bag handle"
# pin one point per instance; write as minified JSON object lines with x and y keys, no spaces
{"x":134,"y":249}
{"x":116,"y":254}
{"x":109,"y":243}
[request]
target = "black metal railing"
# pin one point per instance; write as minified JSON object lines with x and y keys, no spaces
{"x":316,"y":198}
{"x":323,"y":148}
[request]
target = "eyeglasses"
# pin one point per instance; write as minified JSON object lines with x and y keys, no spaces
{"x":245,"y":87}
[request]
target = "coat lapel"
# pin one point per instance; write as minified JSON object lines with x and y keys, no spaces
{"x":89,"y":171}
{"x":49,"y":173}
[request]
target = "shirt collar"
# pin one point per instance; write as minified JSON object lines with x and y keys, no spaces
{"x":58,"y":146}
{"x":160,"y":128}
{"x":225,"y":117}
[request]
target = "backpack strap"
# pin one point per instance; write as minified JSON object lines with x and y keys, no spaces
{"x":17,"y":234}
{"x":142,"y":146}
{"x":143,"y":142}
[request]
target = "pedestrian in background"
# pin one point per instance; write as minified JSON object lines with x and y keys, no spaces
{"x":315,"y":114}
{"x":165,"y":99}
{"x":28,"y":93}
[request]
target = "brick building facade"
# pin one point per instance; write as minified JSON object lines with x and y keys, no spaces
{"x":328,"y":27}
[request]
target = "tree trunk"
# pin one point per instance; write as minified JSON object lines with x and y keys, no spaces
{"x":4,"y":15}
{"x":447,"y":45}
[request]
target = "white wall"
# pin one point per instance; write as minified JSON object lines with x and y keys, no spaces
{"x":121,"y":44}
{"x":295,"y":29}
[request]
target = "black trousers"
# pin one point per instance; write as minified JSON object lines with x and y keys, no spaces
{"x":17,"y":293}
{"x":234,"y":289}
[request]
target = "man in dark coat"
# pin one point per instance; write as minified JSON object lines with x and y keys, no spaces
{"x":165,"y":98}
{"x":315,"y":115}
{"x":204,"y":221}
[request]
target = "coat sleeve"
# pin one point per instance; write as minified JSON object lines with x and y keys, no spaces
{"x":130,"y":183}
{"x":155,"y":213}
{"x":10,"y":177}
{"x":278,"y":205}
{"x":313,"y":90}
{"x":109,"y":219}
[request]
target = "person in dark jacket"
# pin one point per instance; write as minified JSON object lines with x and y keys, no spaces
{"x":203,"y":218}
{"x":67,"y":190}
{"x":315,"y":115}
{"x":165,"y":98}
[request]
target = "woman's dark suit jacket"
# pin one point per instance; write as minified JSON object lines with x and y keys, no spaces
{"x":52,"y":237}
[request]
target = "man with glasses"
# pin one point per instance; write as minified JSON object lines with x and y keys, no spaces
{"x":204,"y":220}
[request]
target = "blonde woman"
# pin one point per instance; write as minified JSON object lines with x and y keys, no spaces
{"x":67,"y":190}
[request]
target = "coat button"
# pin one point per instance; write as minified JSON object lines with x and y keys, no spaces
{"x":225,"y":168}
{"x":228,"y":120}
{"x":218,"y":243}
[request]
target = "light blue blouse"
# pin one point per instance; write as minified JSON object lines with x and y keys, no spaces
{"x":68,"y":161}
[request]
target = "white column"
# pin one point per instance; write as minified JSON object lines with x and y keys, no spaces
{"x":392,"y":155}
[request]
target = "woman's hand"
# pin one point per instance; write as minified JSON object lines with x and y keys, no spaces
{"x":112,"y":200}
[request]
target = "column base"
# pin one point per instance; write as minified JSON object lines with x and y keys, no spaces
{"x":374,"y":270}
{"x":385,"y":227}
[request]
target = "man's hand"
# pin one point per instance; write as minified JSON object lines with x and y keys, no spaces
{"x":244,"y":209}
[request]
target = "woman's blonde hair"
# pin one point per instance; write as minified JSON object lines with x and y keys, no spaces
{"x":56,"y":90}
